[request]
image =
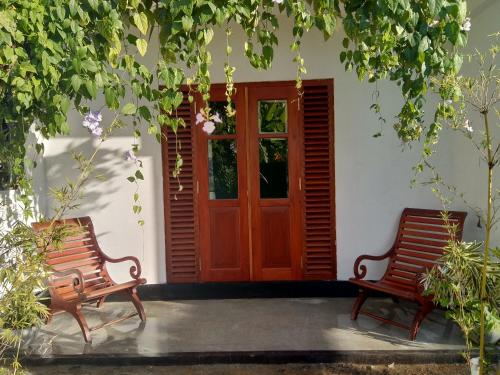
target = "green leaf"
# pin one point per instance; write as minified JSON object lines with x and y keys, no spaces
{"x":141,"y":21}
{"x":109,"y":95}
{"x":138,"y":175}
{"x":73,"y":7}
{"x":76,"y":82}
{"x":94,"y":4}
{"x":142,"y":46}
{"x":208,"y":35}
{"x":424,"y":44}
{"x":129,"y":109}
{"x":131,"y":179}
{"x":187,"y":23}
{"x":452,"y":29}
{"x":91,"y":89}
{"x":145,"y":113}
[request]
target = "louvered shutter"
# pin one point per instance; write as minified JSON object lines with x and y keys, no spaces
{"x":181,"y":234}
{"x":319,"y":256}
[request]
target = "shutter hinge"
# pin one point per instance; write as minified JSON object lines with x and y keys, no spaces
{"x":199,"y":263}
{"x":197,"y":186}
{"x":302,"y":262}
{"x":300,"y":183}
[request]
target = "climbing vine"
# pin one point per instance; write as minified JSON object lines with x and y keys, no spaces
{"x":60,"y":55}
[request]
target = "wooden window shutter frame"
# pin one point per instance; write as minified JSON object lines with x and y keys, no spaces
{"x":180,"y":207}
{"x":319,"y":260}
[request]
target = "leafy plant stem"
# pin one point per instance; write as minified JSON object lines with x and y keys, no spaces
{"x":80,"y":180}
{"x":491,"y":164}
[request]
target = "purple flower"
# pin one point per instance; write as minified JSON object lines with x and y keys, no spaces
{"x":92,"y":121}
{"x":96,"y":131}
{"x":208,"y":127}
{"x":129,"y":156}
{"x":216,"y":118}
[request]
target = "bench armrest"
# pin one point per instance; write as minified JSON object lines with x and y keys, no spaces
{"x":135,"y":270}
{"x":360,"y":269}
{"x":78,"y":279}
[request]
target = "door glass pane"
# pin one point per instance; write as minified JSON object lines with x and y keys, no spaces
{"x":228,"y":123}
{"x":272,"y":116}
{"x":273,"y":167}
{"x":222,"y":169}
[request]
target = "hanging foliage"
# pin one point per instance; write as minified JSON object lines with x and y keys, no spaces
{"x":55,"y":54}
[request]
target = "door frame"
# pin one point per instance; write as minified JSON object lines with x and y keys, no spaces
{"x":195,"y":175}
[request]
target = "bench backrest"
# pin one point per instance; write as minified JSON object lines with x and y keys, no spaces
{"x":420,"y":242}
{"x":79,"y":250}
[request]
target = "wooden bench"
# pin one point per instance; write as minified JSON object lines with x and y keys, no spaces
{"x":420,"y":241}
{"x":78,"y":272}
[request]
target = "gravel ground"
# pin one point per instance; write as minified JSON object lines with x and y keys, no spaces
{"x":287,"y":369}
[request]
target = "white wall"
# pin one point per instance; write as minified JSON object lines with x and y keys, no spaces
{"x":372,"y":174}
{"x":468,"y":173}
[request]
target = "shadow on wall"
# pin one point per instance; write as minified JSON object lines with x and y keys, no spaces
{"x":111,"y":198}
{"x":63,"y":168}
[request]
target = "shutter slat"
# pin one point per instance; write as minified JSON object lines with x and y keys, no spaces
{"x":180,"y":214}
{"x":319,"y":236}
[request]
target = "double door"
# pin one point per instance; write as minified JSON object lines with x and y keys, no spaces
{"x":249,"y":185}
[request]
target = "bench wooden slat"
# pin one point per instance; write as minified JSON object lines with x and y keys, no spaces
{"x":420,"y":242}
{"x":79,"y":256}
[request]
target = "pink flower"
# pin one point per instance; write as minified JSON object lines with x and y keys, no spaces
{"x":209,"y":127}
{"x":216,"y":118}
{"x":466,"y":25}
{"x":129,"y":156}
{"x":199,"y":118}
{"x":467,"y":126}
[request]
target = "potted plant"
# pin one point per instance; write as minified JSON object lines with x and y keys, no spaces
{"x":456,"y":286}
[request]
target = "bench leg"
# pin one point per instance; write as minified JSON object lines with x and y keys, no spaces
{"x":50,"y":314}
{"x":100,"y":302}
{"x":137,"y":303}
{"x":77,"y":314}
{"x":362,"y":296}
{"x":422,"y":312}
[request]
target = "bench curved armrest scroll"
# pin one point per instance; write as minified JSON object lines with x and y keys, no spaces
{"x":135,"y":270}
{"x":78,"y":279}
{"x":360,"y":269}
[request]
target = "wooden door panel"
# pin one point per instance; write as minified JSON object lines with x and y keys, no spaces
{"x":225,"y":238}
{"x":275,"y":237}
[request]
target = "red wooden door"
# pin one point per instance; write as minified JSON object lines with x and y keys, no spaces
{"x":275,"y":180}
{"x":222,"y":193}
{"x":257,"y":199}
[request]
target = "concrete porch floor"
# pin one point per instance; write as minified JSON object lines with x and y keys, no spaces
{"x":279,"y":325}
